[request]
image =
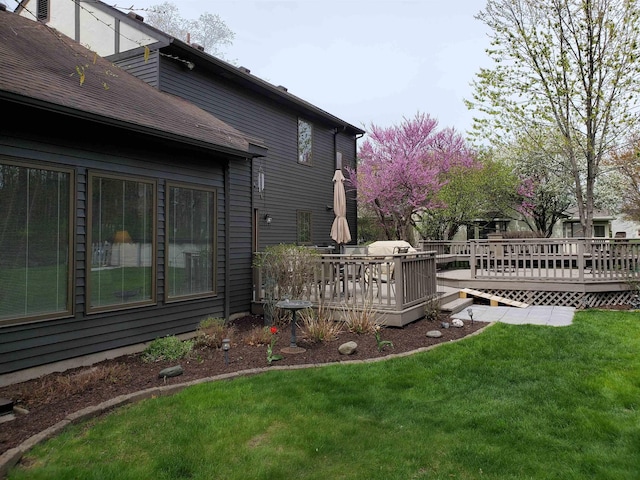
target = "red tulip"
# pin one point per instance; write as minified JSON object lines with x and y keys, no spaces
{"x":274,"y":330}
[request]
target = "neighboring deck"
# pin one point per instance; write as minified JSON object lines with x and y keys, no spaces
{"x":570,"y":272}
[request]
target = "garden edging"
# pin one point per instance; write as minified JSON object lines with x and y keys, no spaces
{"x":12,"y":456}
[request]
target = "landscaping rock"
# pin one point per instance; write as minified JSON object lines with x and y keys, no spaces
{"x":171,"y":372}
{"x":348,"y":348}
{"x":456,"y":322}
{"x":434,"y":334}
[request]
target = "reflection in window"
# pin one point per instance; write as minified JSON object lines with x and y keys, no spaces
{"x":305,"y":143}
{"x":191,"y":241}
{"x":121,"y":241}
{"x":304,"y":227}
{"x":34,"y":241}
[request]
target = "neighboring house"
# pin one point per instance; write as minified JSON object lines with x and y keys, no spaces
{"x":117,"y":203}
{"x":570,"y":226}
{"x":288,"y":194}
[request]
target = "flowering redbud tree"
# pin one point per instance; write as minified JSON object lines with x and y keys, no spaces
{"x":401,"y":169}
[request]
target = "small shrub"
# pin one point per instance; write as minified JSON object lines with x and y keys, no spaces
{"x":167,"y":348}
{"x":280,"y":317}
{"x":360,"y":318}
{"x":288,"y":271}
{"x":258,"y":336}
{"x":78,"y":382}
{"x":211,"y":331}
{"x":318,"y":325}
{"x":432,"y":308}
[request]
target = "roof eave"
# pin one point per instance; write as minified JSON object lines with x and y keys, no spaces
{"x":245,"y":79}
{"x":194,"y":142}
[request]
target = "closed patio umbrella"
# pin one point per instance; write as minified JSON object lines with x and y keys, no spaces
{"x":340,"y":228}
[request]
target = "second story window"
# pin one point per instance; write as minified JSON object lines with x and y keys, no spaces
{"x":305,"y":142}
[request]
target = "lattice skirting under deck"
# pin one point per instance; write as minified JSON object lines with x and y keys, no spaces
{"x":568,"y":299}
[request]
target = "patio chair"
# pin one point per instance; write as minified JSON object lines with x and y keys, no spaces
{"x":332,"y":275}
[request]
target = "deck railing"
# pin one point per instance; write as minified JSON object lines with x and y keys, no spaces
{"x":546,"y":259}
{"x":391,"y":282}
{"x":446,"y":248}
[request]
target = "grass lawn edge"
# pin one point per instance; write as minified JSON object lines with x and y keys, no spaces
{"x":12,"y":456}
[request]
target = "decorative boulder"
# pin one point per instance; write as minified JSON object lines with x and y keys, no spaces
{"x":171,"y":372}
{"x":456,"y":322}
{"x":348,"y":348}
{"x":434,"y":333}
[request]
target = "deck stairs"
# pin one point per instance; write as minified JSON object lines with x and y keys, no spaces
{"x":450,"y":300}
{"x":454,"y":300}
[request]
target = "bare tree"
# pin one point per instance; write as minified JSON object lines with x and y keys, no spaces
{"x":565,"y":65}
{"x":209,"y":30}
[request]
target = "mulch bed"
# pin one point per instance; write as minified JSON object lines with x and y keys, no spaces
{"x":50,"y":398}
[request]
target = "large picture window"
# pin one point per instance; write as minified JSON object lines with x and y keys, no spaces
{"x":191,"y":220}
{"x":122,"y":241}
{"x":35,"y":245}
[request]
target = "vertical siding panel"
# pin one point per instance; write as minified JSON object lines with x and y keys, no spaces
{"x":240,"y":237}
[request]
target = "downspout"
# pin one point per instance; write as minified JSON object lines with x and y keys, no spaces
{"x":357,"y":137}
{"x":227,"y":241}
{"x":336,"y":131}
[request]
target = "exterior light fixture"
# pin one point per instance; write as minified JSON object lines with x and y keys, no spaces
{"x":268,"y":218}
{"x":226,"y":345}
{"x":470,"y":312}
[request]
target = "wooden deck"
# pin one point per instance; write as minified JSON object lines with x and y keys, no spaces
{"x":562,"y":272}
{"x":394,"y":287}
{"x":568,"y":272}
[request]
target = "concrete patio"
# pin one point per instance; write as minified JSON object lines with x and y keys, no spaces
{"x":533,"y":315}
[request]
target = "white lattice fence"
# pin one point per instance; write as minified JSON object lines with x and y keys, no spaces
{"x":568,"y":299}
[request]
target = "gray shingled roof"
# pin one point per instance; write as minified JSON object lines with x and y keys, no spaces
{"x":41,"y":67}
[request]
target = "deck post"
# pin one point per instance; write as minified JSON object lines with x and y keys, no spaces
{"x":398,"y":276}
{"x":472,"y":258}
{"x":581,"y":259}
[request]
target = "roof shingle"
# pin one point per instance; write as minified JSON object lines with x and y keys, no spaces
{"x":39,"y":65}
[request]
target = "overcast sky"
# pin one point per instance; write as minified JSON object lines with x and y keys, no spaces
{"x":362,"y":61}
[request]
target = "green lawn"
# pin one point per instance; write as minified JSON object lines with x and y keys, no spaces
{"x":515,"y":402}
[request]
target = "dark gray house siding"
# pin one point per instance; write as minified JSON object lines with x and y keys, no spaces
{"x":239,"y":247}
{"x":146,"y":70}
{"x":289,"y":186}
{"x":84,"y":147}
